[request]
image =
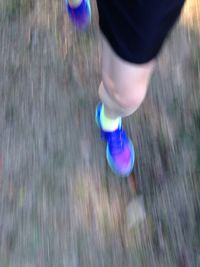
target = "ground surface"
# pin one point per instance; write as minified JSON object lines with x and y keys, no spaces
{"x":59,"y":203}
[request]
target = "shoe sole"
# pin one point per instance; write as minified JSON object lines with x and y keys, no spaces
{"x":97,"y":114}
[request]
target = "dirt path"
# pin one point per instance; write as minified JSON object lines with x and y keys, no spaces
{"x":59,"y":203}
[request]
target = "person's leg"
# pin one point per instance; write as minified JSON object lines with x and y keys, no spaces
{"x":134,"y":34}
{"x":122,"y":90}
{"x":124,"y":85}
{"x":74,"y":3}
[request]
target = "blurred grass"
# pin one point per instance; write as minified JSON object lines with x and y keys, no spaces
{"x":93,"y":214}
{"x":15,"y":8}
{"x":191,"y":19}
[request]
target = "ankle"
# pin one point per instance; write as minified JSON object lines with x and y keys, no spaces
{"x":74,"y":3}
{"x":107,"y":123}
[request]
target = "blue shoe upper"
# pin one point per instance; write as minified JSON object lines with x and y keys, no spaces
{"x":80,"y":15}
{"x":117,"y":139}
{"x":120,"y":151}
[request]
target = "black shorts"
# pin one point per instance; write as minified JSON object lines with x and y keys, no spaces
{"x":136,"y":29}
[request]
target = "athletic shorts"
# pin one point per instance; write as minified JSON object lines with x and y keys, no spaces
{"x":136,"y":29}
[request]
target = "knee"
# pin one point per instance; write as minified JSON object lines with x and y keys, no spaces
{"x":127,"y":95}
{"x":131,"y":97}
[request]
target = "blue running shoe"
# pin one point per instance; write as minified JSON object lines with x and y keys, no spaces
{"x":80,"y":16}
{"x":119,"y":151}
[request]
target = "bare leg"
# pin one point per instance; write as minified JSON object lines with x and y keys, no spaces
{"x":74,"y":3}
{"x":124,"y":85}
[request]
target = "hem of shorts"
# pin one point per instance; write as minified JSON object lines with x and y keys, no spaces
{"x":128,"y":57}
